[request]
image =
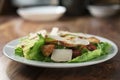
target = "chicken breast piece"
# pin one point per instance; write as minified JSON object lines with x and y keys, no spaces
{"x":93,"y":40}
{"x":48,"y":49}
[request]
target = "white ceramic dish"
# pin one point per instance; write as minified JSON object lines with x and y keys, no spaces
{"x":42,"y":13}
{"x":103,"y":11}
{"x":8,"y":51}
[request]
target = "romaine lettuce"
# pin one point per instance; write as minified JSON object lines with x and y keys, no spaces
{"x":103,"y":48}
{"x":19,"y":51}
{"x":87,"y":56}
{"x":35,"y":52}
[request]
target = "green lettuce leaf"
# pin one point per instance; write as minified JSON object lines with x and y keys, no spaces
{"x":105,"y":47}
{"x":87,"y":56}
{"x":19,"y":51}
{"x":47,"y":59}
{"x":32,"y":49}
{"x":24,"y":46}
{"x":102,"y":49}
{"x":35,"y":52}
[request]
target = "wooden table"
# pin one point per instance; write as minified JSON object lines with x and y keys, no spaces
{"x":15,"y":27}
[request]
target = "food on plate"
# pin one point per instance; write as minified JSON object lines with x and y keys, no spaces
{"x":61,"y":46}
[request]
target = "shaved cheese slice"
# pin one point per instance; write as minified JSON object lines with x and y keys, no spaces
{"x":79,"y":41}
{"x":56,"y":37}
{"x":54,"y":31}
{"x":35,"y":35}
{"x":61,"y":55}
{"x":42,"y":32}
{"x":32,"y":36}
{"x":75,"y":34}
{"x":74,"y":41}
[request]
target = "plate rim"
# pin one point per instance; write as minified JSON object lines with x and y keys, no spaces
{"x":62,"y":65}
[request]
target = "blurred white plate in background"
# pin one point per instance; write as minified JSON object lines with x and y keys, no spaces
{"x":42,"y":13}
{"x":103,"y":11}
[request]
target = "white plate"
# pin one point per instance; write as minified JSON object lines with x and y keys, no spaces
{"x":8,"y":51}
{"x":42,"y":13}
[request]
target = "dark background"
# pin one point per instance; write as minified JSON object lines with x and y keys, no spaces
{"x":74,"y":7}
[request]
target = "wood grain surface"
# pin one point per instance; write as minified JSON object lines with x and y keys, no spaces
{"x":15,"y":27}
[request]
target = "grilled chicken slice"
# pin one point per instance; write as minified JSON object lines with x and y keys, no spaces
{"x":48,"y":49}
{"x":67,"y":44}
{"x":93,"y":40}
